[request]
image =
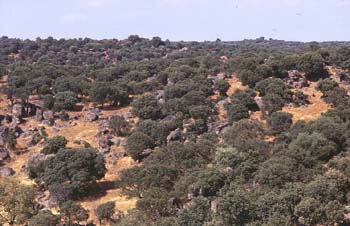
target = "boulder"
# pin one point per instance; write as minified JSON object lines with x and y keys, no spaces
{"x":259,"y":101}
{"x":296,"y":79}
{"x":4,"y":154}
{"x":48,"y":115}
{"x":176,"y":134}
{"x":217,"y":127}
{"x":104,"y":144}
{"x":92,"y":114}
{"x":6,"y":171}
{"x":17,"y":113}
{"x":39,"y":115}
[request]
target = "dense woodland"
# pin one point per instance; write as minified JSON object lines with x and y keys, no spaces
{"x":193,"y":167}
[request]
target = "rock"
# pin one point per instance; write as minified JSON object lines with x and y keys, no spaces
{"x":104,"y":144}
{"x":30,"y":110}
{"x":48,"y":115}
{"x":39,"y":115}
{"x":296,"y":79}
{"x":17,"y":113}
{"x":92,"y":114}
{"x":4,"y":154}
{"x":259,"y":101}
{"x":7,"y":119}
{"x":6,"y":171}
{"x":220,"y":105}
{"x":176,"y":134}
{"x":217,"y":127}
{"x":35,"y":158}
{"x":146,"y":152}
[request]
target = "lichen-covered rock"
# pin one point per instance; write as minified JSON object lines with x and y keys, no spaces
{"x":6,"y":171}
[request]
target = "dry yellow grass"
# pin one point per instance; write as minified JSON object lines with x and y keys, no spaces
{"x":234,"y":85}
{"x":81,"y":131}
{"x":313,"y":110}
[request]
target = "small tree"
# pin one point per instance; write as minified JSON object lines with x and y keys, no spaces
{"x":54,"y":144}
{"x":105,"y":211}
{"x":137,"y":142}
{"x":16,"y":202}
{"x":279,"y":122}
{"x":119,"y":125}
{"x":73,"y":212}
{"x":222,"y":86}
{"x":44,"y":218}
{"x":326,"y":85}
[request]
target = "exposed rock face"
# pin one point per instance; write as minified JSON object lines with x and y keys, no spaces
{"x":259,"y":101}
{"x":217,"y":127}
{"x":296,"y":79}
{"x":104,"y":144}
{"x":39,"y":115}
{"x":17,"y":113}
{"x":4,"y":154}
{"x":92,"y":114}
{"x":6,"y":171}
{"x":48,"y":115}
{"x":176,"y":134}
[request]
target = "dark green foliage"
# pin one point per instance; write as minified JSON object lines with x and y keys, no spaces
{"x":49,"y":101}
{"x":44,"y":218}
{"x":272,"y":103}
{"x":72,"y":212}
{"x":138,"y":142}
{"x":105,"y":211}
{"x":326,"y":85}
{"x":236,"y":112}
{"x":235,"y":208}
{"x":54,"y":144}
{"x":278,"y":171}
{"x":300,"y":99}
{"x":65,"y":101}
{"x":155,"y":130}
{"x":200,"y":112}
{"x":222,"y":86}
{"x":313,"y":66}
{"x":119,"y":126}
{"x":246,"y":98}
{"x":197,"y":213}
{"x":208,"y":182}
{"x":279,"y":122}
{"x":249,"y":78}
{"x":76,"y":168}
{"x":146,"y":107}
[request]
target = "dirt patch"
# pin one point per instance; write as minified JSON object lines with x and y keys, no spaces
{"x":311,"y":111}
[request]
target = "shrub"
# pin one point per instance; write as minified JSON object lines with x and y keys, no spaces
{"x":137,"y":142}
{"x":279,"y":122}
{"x":54,"y":144}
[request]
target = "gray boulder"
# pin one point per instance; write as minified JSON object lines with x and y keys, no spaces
{"x":6,"y":171}
{"x":4,"y":154}
{"x":17,"y":113}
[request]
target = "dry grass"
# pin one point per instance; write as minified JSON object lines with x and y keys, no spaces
{"x":81,"y":131}
{"x":313,"y":110}
{"x":234,"y":85}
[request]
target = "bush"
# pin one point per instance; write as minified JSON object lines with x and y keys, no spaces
{"x":236,"y":112}
{"x":54,"y":144}
{"x":137,"y":142}
{"x":119,"y":125}
{"x":222,"y":86}
{"x":105,"y":211}
{"x":279,"y":122}
{"x":65,"y":101}
{"x":146,"y":107}
{"x":246,"y":98}
{"x":326,"y":85}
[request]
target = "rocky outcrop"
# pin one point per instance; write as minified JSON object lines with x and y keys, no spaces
{"x":17,"y":113}
{"x":92,"y":114}
{"x":296,"y":79}
{"x":217,"y":127}
{"x":4,"y":154}
{"x":176,"y":134}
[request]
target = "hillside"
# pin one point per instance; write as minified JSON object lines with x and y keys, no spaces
{"x":153,"y":132}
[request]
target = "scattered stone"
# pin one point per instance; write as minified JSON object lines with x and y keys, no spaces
{"x":217,"y":127}
{"x":6,"y":171}
{"x":296,"y":79}
{"x":259,"y":101}
{"x":92,"y":114}
{"x":4,"y":154}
